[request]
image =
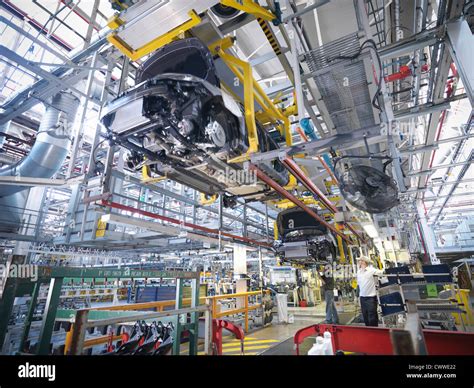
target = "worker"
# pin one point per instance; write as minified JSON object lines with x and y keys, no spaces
{"x":367,"y":292}
{"x":331,"y":311}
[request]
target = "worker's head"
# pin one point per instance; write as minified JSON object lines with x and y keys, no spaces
{"x":363,"y":261}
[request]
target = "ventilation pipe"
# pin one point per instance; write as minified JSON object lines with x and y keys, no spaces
{"x":4,"y":130}
{"x":44,"y":160}
{"x":51,"y":145}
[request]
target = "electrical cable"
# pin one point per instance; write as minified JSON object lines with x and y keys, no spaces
{"x":95,"y":150}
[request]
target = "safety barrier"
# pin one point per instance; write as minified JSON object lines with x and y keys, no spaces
{"x":216,"y":313}
{"x":76,"y":342}
{"x":159,"y":306}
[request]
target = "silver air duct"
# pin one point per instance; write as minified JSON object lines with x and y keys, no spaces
{"x":51,"y":145}
{"x":4,"y":129}
{"x":44,"y":160}
{"x":12,"y":209}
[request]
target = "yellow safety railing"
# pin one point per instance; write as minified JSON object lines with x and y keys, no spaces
{"x":216,"y":313}
{"x":462,"y":297}
{"x":159,"y":306}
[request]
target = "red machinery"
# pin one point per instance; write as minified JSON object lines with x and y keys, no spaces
{"x":217,"y":327}
{"x":376,"y":340}
{"x":405,"y":71}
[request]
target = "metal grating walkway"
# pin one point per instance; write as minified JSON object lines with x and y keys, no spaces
{"x":342,"y":83}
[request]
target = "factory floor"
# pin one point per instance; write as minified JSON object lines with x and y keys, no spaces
{"x":303,"y":317}
{"x":277,"y":338}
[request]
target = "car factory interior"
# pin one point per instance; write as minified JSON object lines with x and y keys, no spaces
{"x":236,"y":177}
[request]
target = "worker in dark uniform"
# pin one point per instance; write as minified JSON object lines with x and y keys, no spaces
{"x":328,"y":286}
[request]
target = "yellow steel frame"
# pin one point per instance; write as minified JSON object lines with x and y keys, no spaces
{"x":101,"y":228}
{"x":286,"y":204}
{"x":251,"y":7}
{"x":155,"y":43}
{"x":462,"y":297}
{"x":252,"y":89}
{"x":221,"y":44}
{"x":245,"y":76}
{"x":340,"y":245}
{"x":146,"y":178}
{"x":115,"y":22}
{"x":291,"y":110}
{"x":253,"y":93}
{"x":207,"y":201}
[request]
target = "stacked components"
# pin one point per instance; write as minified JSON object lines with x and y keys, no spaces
{"x":145,"y":339}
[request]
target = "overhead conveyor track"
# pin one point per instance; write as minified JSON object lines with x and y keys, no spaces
{"x":205,"y":162}
{"x":284,"y":193}
{"x":294,"y":169}
{"x":215,"y":232}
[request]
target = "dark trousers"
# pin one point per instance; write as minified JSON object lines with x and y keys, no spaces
{"x":368,"y":305}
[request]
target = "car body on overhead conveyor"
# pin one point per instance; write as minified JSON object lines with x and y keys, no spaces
{"x":178,"y":123}
{"x":302,"y":239}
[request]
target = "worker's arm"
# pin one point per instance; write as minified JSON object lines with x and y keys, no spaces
{"x":321,"y":278}
{"x":375,"y":271}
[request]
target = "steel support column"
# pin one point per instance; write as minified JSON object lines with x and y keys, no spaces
{"x":178,"y":330}
{"x":49,"y":317}
{"x":427,"y":233}
{"x":29,"y":316}
{"x":79,"y":333}
{"x":194,"y":330}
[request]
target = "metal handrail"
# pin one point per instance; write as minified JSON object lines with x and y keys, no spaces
{"x":245,"y":309}
{"x":82,"y":323}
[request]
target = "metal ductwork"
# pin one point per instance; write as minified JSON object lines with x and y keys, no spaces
{"x":44,"y":160}
{"x":51,"y":145}
{"x":12,"y":209}
{"x":7,"y":159}
{"x":3,"y":130}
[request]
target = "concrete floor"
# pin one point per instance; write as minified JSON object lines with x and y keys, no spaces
{"x":277,"y":338}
